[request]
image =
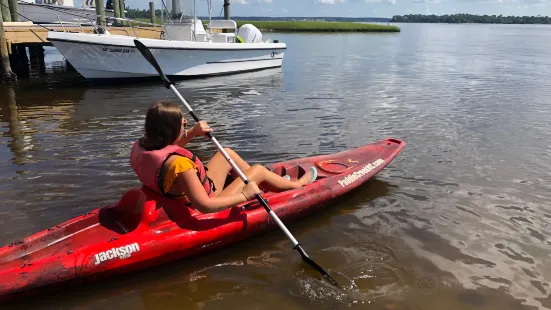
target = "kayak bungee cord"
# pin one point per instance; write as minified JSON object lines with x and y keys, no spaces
{"x":146,"y":53}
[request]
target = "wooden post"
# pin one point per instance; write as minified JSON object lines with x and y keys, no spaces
{"x":117,"y":12}
{"x":226,"y":9}
{"x":100,"y":12}
{"x":6,"y":10}
{"x":175,"y":9}
{"x":36,"y":53}
{"x":121,"y":10}
{"x":19,"y":60}
{"x":152,"y":12}
{"x":6,"y":75}
{"x":14,"y":9}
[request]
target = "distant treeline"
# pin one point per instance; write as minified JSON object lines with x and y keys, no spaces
{"x":317,"y":26}
{"x":468,"y":18}
{"x":320,"y":18}
{"x":137,"y":13}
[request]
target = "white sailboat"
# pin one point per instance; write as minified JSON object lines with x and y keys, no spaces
{"x":186,"y":49}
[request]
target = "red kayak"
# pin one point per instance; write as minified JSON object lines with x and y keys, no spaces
{"x":144,"y":229}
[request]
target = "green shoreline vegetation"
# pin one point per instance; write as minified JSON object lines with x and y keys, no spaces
{"x":292,"y":24}
{"x":318,"y":26}
{"x":307,"y":26}
{"x":469,"y":18}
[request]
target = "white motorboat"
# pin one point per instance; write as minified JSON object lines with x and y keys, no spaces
{"x":185,"y":50}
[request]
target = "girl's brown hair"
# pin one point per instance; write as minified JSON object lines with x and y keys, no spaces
{"x":163,"y":123}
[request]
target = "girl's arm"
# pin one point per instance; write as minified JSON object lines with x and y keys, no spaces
{"x":201,"y":128}
{"x":196,"y":194}
{"x":185,"y":138}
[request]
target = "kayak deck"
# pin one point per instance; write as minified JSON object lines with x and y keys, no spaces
{"x":144,"y":229}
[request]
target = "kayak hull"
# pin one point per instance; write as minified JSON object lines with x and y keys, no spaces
{"x":144,"y":229}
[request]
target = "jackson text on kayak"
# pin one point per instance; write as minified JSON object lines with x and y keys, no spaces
{"x":120,"y":252}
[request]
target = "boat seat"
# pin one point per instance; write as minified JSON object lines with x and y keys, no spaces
{"x":223,"y":38}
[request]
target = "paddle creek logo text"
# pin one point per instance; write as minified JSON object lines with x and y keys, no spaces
{"x":120,"y":252}
{"x":360,"y":173}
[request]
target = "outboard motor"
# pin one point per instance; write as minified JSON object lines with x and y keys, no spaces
{"x":249,"y":34}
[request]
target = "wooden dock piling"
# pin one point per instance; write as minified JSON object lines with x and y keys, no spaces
{"x":6,"y":74}
{"x":19,"y":60}
{"x":121,"y":10}
{"x":226,"y":9}
{"x":36,"y":53}
{"x":152,"y":12}
{"x":14,"y":10}
{"x":100,"y":12}
{"x":116,"y":12}
{"x":175,"y":9}
{"x":5,"y":7}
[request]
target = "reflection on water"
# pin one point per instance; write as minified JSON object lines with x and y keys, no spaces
{"x":458,"y":221}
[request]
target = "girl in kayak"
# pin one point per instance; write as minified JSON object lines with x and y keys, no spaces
{"x":162,"y":164}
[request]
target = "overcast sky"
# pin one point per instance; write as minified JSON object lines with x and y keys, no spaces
{"x":368,"y":8}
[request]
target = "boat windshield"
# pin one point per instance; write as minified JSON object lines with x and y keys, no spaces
{"x":182,"y":11}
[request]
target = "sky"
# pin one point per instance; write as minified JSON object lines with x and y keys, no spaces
{"x":367,"y":8}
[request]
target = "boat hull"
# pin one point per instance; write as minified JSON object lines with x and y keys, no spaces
{"x":100,"y":57}
{"x":144,"y":229}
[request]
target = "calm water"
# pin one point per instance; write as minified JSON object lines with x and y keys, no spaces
{"x":459,"y":220}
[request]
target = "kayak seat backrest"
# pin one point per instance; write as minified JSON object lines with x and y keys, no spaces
{"x":292,"y":171}
{"x":132,"y":210}
{"x":295,"y":172}
{"x":173,"y":208}
{"x":280,"y":170}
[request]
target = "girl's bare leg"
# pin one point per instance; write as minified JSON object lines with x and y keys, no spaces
{"x":263,"y":176}
{"x":218,"y":168}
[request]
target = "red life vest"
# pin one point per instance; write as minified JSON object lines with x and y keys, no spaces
{"x":148,"y":166}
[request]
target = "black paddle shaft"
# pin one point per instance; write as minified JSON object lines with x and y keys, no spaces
{"x":146,"y":53}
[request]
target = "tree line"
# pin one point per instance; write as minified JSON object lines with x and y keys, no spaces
{"x":469,"y":18}
{"x":137,"y":13}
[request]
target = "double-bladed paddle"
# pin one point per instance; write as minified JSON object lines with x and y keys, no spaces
{"x":146,"y":53}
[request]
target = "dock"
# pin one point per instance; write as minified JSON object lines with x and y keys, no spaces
{"x":25,"y":42}
{"x":36,"y":35}
{"x":22,"y":43}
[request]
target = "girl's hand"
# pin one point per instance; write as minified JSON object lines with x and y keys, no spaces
{"x":200,"y":128}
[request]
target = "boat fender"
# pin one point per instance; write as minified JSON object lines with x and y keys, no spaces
{"x":238,"y":39}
